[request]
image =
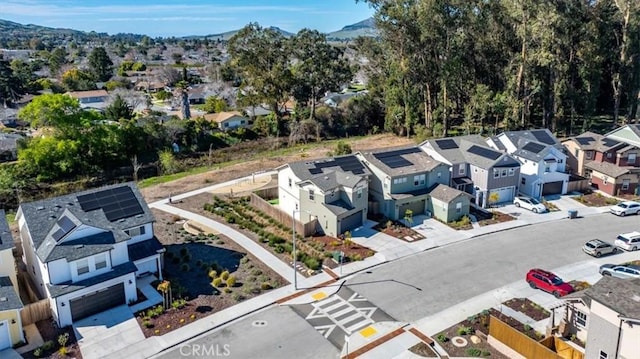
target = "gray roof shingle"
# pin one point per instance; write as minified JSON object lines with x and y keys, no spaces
{"x":621,"y":295}
{"x":9,"y":299}
{"x":6,"y":239}
{"x":607,"y":168}
{"x":144,"y":249}
{"x":461,"y":153}
{"x":42,"y":218}
{"x":446,"y":194}
{"x":57,"y":290}
{"x":305,"y":170}
{"x":82,"y":247}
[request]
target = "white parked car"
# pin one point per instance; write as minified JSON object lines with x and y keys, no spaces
{"x":529,"y":203}
{"x":621,"y":271}
{"x":628,"y":241}
{"x":624,"y":208}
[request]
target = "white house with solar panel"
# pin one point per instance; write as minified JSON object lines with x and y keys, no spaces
{"x":543,"y":170}
{"x":331,"y":191}
{"x":86,"y":250}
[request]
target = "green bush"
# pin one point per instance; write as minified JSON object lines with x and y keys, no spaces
{"x":216,"y":282}
{"x":473,"y":352}
{"x":237,"y":297}
{"x":312,"y":263}
{"x":48,"y":345}
{"x":464,"y":330}
{"x":63,"y":339}
{"x":265,"y":286}
{"x":228,"y":290}
{"x":442,"y":338}
{"x":37,"y":352}
{"x":147,"y":324}
{"x":527,"y":327}
{"x":231,"y":281}
{"x":212,"y":274}
{"x":224,"y":275}
{"x":178,"y":303}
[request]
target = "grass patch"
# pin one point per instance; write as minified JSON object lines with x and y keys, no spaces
{"x":274,"y":202}
{"x":11,"y":217}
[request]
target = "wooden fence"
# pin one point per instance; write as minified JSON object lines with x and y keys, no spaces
{"x":577,"y":184}
{"x":35,"y":312}
{"x":566,"y":350}
{"x":305,"y":229}
{"x":520,"y":342}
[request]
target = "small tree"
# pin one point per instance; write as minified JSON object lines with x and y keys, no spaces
{"x":342,"y":148}
{"x":408,"y":216}
{"x":165,"y":289}
{"x":493,"y":199}
{"x":168,"y":162}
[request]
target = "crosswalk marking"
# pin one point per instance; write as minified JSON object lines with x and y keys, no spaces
{"x":336,"y":307}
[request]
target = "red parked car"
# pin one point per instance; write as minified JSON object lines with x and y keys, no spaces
{"x":549,"y":282}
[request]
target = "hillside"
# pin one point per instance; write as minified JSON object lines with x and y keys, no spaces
{"x":365,"y":27}
{"x":225,"y":36}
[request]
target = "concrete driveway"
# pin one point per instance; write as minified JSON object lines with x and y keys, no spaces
{"x":107,"y":332}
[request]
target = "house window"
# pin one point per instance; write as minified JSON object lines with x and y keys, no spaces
{"x":609,"y":154}
{"x":461,"y":170}
{"x":496,"y":173}
{"x":458,"y":207}
{"x":226,"y":124}
{"x":547,"y":168}
{"x":504,"y":172}
{"x":560,"y":160}
{"x":359,"y":192}
{"x":416,"y":180}
{"x":589,"y":155}
{"x":575,"y":152}
{"x":605,"y":180}
{"x":512,"y":172}
{"x":631,"y":159}
{"x":603,"y":355}
{"x":439,"y":174}
{"x":82,"y":266}
{"x":422,"y":178}
{"x":135,"y":231}
{"x":101,"y":261}
{"x":311,"y":195}
{"x":625,"y":184}
{"x":290,"y":182}
{"x":581,"y":319}
{"x":523,"y":181}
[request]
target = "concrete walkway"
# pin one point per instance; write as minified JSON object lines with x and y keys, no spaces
{"x":152,"y":295}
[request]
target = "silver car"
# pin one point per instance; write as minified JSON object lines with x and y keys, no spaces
{"x":621,"y":271}
{"x":596,"y":248}
{"x":624,"y":208}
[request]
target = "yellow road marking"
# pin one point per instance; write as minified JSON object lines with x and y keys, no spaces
{"x":368,"y":331}
{"x":319,"y":295}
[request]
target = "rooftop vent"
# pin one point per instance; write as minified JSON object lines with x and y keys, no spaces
{"x":40,"y":208}
{"x":52,"y":217}
{"x":79,"y":246}
{"x":3,"y":299}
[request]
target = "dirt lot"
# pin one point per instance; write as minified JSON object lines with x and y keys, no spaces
{"x":154,"y":193}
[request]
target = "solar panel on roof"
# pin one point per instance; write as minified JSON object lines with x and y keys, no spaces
{"x":484,"y":152}
{"x":609,"y":142}
{"x":88,"y":202}
{"x":533,"y":147}
{"x":315,"y":171}
{"x":584,"y":140}
{"x":57,"y":235}
{"x":543,"y":136}
{"x":116,"y":203}
{"x":446,"y":144}
{"x":66,"y":224}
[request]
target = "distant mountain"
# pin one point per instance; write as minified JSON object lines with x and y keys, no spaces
{"x":365,"y":27}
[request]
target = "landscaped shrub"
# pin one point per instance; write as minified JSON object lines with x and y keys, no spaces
{"x":256,"y":272}
{"x":216,"y":282}
{"x":147,"y":324}
{"x":63,"y":339}
{"x":527,"y":327}
{"x":224,"y":275}
{"x":265,"y":286}
{"x":185,"y":267}
{"x":48,"y":345}
{"x":464,"y":330}
{"x":227,"y":290}
{"x":312,"y":263}
{"x":212,"y":274}
{"x":473,"y":352}
{"x":231,"y":281}
{"x":442,"y":338}
{"x":37,"y":352}
{"x":237,"y":297}
{"x":179,"y":303}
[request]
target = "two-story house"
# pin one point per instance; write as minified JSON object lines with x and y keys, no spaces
{"x":11,"y":332}
{"x":333,"y":191}
{"x":490,"y":176}
{"x":606,"y":317}
{"x":85,"y":250}
{"x":401,"y":180}
{"x":589,"y":147}
{"x":543,"y":170}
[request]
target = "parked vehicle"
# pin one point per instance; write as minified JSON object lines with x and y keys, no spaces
{"x":624,"y":271}
{"x":529,"y":203}
{"x":596,"y":248}
{"x":549,"y":282}
{"x":624,"y":208}
{"x":628,"y":241}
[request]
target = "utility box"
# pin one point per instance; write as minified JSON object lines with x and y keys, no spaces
{"x":573,"y":214}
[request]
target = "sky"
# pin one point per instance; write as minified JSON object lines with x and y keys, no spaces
{"x":181,"y":18}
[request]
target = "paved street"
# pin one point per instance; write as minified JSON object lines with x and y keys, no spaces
{"x":341,"y":314}
{"x":272,"y":334}
{"x":428,"y":282}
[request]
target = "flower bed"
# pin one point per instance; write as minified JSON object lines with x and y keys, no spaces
{"x":528,"y":308}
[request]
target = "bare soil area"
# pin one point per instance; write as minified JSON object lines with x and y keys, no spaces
{"x":528,"y":308}
{"x":595,"y":199}
{"x":51,"y":348}
{"x":157,"y":192}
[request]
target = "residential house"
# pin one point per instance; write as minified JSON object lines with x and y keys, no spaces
{"x":228,"y":120}
{"x":401,"y":180}
{"x":85,"y":250}
{"x":10,"y":304}
{"x":95,"y":99}
{"x":606,"y":317}
{"x":196,"y":95}
{"x":589,"y":147}
{"x":488,"y":175}
{"x":449,"y":204}
{"x":9,"y":146}
{"x":543,"y":170}
{"x":334,"y":99}
{"x":334,"y":191}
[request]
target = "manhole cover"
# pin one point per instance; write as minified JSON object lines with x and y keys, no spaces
{"x":259,"y":323}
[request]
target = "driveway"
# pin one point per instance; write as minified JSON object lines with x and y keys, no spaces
{"x":104,"y":333}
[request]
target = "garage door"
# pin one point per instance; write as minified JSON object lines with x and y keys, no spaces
{"x":97,"y":302}
{"x":552,"y":188}
{"x":417,"y":208}
{"x":5,"y":339}
{"x":351,"y":222}
{"x":505,"y":194}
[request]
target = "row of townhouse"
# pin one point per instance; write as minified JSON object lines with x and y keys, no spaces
{"x":439,"y":178}
{"x":611,"y":161}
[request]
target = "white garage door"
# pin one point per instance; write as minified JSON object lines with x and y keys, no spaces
{"x":504,"y":194}
{"x":5,"y":339}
